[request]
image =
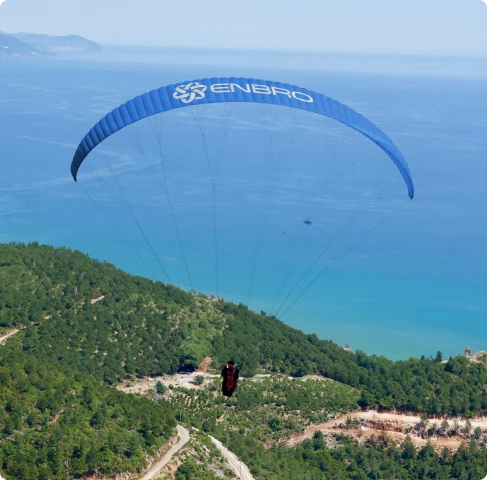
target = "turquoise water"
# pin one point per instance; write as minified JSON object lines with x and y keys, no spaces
{"x":416,"y":284}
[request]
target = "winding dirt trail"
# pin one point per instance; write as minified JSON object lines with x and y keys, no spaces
{"x":241,"y":470}
{"x":158,"y":466}
{"x":8,"y":335}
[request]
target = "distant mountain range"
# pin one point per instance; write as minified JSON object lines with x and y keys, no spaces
{"x":18,"y":45}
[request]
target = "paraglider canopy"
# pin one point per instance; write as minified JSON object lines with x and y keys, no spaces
{"x":227,"y":90}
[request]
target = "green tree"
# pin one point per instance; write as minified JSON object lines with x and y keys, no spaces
{"x":160,"y":388}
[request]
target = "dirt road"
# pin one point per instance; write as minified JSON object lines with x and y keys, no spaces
{"x":183,"y":440}
{"x":7,"y":335}
{"x":241,"y":470}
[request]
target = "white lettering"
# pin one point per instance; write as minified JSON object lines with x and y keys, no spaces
{"x":220,"y":88}
{"x":262,"y":89}
{"x":283,"y":91}
{"x":245,"y":89}
{"x":307,"y":98}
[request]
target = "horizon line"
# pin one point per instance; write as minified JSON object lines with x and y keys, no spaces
{"x":301,"y":51}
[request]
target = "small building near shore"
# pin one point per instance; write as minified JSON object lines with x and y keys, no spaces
{"x":347,"y":347}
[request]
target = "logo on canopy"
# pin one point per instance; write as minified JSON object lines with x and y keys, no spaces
{"x":190,"y":92}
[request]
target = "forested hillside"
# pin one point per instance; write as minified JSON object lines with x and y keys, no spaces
{"x":140,"y":327}
{"x":86,"y":326}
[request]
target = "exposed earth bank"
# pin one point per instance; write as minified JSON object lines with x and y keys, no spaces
{"x":362,"y":425}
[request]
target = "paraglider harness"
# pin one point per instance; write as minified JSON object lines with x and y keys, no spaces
{"x":230,"y":378}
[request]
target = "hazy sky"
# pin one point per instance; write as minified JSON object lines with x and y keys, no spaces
{"x":411,"y":26}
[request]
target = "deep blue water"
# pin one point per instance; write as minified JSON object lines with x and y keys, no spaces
{"x":416,"y":284}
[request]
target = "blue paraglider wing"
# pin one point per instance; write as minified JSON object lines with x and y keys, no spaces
{"x":224,"y":90}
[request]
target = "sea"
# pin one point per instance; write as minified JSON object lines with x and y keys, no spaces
{"x":216,"y":199}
